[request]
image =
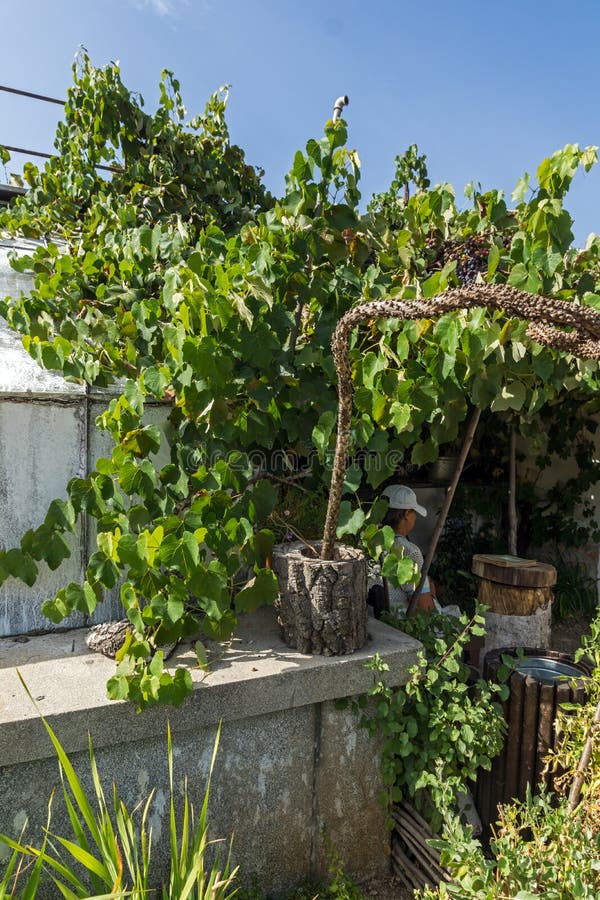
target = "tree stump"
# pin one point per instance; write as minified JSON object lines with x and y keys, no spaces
{"x":518,"y":594}
{"x":322,"y":604}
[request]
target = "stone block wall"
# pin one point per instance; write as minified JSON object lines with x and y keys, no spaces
{"x":290,"y":763}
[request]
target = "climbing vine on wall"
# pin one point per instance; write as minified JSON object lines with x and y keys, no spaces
{"x":181,"y":279}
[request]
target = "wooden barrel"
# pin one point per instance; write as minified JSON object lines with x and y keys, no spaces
{"x":518,"y":595}
{"x":530,"y":712}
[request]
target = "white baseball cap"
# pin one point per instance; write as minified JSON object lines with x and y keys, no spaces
{"x":402,"y":497}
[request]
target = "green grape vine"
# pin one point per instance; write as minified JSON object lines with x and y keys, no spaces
{"x":181,"y":279}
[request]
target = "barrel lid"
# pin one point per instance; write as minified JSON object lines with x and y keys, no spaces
{"x":506,"y":569}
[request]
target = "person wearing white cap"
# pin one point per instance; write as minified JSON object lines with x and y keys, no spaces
{"x":401,"y":516}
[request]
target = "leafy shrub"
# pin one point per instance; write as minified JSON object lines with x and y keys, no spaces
{"x":441,"y":726}
{"x":548,"y":845}
{"x":538,"y":850}
{"x":182,"y":279}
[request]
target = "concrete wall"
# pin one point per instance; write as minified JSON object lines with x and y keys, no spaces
{"x":561,"y":471}
{"x":289,"y":763}
{"x":47,"y":437}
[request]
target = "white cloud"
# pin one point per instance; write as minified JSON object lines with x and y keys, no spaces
{"x":161,"y":7}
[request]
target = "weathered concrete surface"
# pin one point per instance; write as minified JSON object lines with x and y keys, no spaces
{"x":47,"y":436}
{"x":518,"y":631}
{"x":289,"y":761}
{"x":40,"y":450}
{"x":346,"y":793}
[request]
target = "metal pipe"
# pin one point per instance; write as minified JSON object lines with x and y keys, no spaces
{"x":50,"y":155}
{"x":10,"y":90}
{"x":338,"y":106}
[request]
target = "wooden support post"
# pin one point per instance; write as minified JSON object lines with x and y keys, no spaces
{"x":460,"y":464}
{"x":584,"y":761}
{"x":512,"y":493}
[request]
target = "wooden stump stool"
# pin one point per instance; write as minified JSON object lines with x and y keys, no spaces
{"x":322,"y":604}
{"x":518,"y":594}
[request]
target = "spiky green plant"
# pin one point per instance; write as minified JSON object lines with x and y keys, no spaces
{"x":189,"y":876}
{"x":108,"y":853}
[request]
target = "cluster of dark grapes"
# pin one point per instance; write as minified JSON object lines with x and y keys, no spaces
{"x":471,"y":258}
{"x":471,"y":255}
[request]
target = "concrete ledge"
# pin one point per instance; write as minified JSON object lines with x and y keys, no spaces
{"x":290,"y":763}
{"x":257,"y":674}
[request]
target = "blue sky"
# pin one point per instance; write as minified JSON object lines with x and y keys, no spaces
{"x":486,"y":90}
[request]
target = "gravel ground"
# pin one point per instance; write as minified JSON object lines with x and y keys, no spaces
{"x":566,"y":635}
{"x":384,"y":889}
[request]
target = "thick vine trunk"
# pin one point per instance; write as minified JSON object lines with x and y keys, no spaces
{"x":322,"y":604}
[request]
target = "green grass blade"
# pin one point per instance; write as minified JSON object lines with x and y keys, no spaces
{"x":8,"y":873}
{"x":134,"y":842}
{"x":175,"y":879}
{"x":74,"y":782}
{"x":78,"y":830}
{"x":65,"y":872}
{"x":204,"y":810}
{"x":31,"y":888}
{"x":192,"y":878}
{"x":185,"y":829}
{"x":65,"y":891}
{"x":87,"y":860}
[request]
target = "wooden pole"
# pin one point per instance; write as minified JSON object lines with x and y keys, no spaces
{"x":512,"y":493}
{"x":584,"y":761}
{"x":460,"y":464}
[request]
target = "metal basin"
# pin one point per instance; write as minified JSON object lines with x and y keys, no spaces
{"x":550,"y":671}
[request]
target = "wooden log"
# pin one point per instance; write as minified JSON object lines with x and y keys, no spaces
{"x":406,"y":820}
{"x":522,"y":719}
{"x":518,"y":596}
{"x":413,"y":835}
{"x":431,"y":871}
{"x":525,"y":574}
{"x":498,"y":777}
{"x":410,"y":869}
{"x":484,"y":801}
{"x":529,"y":737}
{"x":584,"y":760}
{"x":418,"y":818}
{"x":513,"y":737}
{"x":509,"y":600}
{"x":400,"y":874}
{"x":545,"y":729}
{"x":410,"y":839}
{"x":564,"y":694}
{"x":322,"y":603}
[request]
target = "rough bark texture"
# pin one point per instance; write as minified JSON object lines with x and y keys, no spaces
{"x":322,"y":604}
{"x":512,"y":600}
{"x":534,"y":630}
{"x":519,"y":601}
